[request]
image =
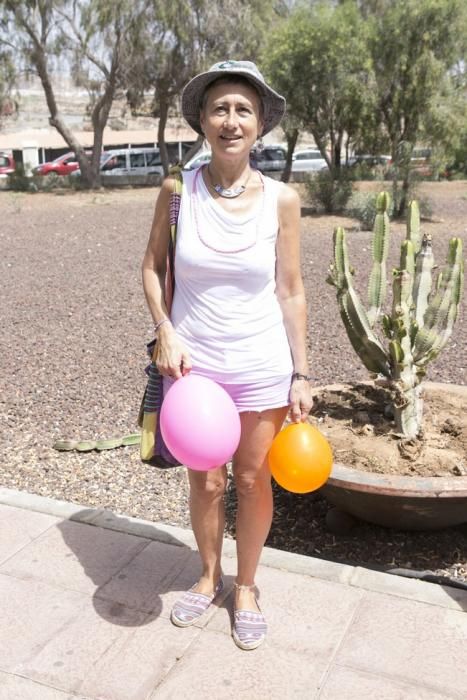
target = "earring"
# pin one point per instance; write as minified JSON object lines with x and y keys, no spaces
{"x":259,"y":144}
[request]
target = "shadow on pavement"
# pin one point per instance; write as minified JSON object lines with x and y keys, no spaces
{"x":130,"y":575}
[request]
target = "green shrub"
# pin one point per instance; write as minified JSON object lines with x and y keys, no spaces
{"x":329,"y":191}
{"x":363,"y":171}
{"x":424,"y":203}
{"x":52,"y":181}
{"x":19,"y":181}
{"x":362,"y":206}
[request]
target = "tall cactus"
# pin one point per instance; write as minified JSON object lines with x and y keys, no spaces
{"x":422,"y":315}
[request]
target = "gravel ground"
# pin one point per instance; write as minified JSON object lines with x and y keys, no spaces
{"x":72,"y":356}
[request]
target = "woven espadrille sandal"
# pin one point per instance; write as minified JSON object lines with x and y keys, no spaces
{"x":192,"y":605}
{"x":249,"y":628}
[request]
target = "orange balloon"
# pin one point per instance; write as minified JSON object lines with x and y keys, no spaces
{"x":300,"y":458}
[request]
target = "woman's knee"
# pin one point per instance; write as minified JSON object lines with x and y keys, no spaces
{"x":208,"y":485}
{"x":252,"y":483}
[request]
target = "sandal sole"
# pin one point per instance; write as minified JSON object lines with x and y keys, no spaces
{"x":247,"y":647}
{"x":181,"y":623}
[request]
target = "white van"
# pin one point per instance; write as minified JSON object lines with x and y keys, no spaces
{"x":142,"y":166}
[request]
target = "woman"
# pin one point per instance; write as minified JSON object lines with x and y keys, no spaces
{"x":238,"y":317}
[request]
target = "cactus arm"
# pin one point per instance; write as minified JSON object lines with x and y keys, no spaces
{"x":356,"y":323}
{"x":388,"y":330}
{"x":396,"y":352}
{"x":422,"y":285}
{"x":449,"y":287}
{"x":361,"y":337}
{"x":423,"y":343}
{"x":443,"y":310}
{"x":407,"y":267}
{"x":456,"y":260}
{"x":402,"y":297}
{"x":439,"y":340}
{"x":379,"y":249}
{"x":413,"y":225}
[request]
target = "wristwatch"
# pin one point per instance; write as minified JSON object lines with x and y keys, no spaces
{"x":298,"y":375}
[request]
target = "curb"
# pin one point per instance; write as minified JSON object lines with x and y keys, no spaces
{"x":345,"y":574}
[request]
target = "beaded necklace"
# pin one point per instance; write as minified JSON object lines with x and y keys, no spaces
{"x":228,"y":192}
{"x":259,"y":218}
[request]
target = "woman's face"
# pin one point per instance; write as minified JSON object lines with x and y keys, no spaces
{"x":231,"y":119}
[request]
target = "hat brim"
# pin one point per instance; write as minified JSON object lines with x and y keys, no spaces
{"x":273,"y":104}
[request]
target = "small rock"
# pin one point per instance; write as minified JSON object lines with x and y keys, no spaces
{"x":361,"y":417}
{"x":459,"y":469}
{"x":451,"y":428}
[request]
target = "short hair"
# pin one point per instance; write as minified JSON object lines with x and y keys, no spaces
{"x":232,"y":80}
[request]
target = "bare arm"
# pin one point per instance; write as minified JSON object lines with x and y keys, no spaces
{"x":291,"y":295}
{"x":171,"y":356}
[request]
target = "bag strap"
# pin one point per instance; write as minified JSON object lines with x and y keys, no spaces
{"x":174,"y":211}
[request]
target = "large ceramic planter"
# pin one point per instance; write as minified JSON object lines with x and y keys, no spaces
{"x":402,"y":502}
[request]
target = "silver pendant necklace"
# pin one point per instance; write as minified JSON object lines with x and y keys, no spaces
{"x":228,"y":192}
{"x":203,"y":239}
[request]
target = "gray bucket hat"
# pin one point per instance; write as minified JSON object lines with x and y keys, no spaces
{"x":273,"y":103}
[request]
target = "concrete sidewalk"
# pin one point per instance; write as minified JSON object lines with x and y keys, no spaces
{"x":85,"y":598}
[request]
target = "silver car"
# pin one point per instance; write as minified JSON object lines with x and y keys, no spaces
{"x":308,"y":160}
{"x":138,"y":164}
{"x":197,"y":160}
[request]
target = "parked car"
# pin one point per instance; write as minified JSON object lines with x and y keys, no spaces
{"x":63,"y":165}
{"x":269,"y":158}
{"x":421,"y":163}
{"x":7,"y":164}
{"x":141,"y":166}
{"x":197,"y":160}
{"x":371,"y":161}
{"x":136,"y":161}
{"x":308,"y":160}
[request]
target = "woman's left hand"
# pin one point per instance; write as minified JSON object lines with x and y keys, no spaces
{"x":301,"y":400}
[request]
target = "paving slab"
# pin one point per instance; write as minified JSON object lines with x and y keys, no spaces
{"x":19,"y":527}
{"x":67,"y":658}
{"x":304,"y":615}
{"x":186,"y":577}
{"x":145,"y":581}
{"x":18,"y":688}
{"x":213,"y":667}
{"x":75,"y":556}
{"x":31,"y":614}
{"x":133,"y":667}
{"x":408,"y":641}
{"x":351,"y":684}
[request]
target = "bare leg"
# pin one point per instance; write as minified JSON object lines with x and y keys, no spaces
{"x":255,"y":503}
{"x":207,"y":520}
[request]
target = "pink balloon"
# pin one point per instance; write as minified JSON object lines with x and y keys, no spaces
{"x":199,"y":423}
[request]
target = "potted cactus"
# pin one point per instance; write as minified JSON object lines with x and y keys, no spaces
{"x":412,"y":333}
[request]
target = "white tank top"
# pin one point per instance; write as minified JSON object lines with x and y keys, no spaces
{"x":225,"y":307}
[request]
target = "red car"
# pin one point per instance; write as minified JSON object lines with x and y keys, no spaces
{"x":63,"y":165}
{"x":7,"y":164}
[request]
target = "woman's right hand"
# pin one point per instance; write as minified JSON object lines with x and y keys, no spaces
{"x":171,"y":356}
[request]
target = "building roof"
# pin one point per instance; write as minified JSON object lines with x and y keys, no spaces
{"x":50,"y":138}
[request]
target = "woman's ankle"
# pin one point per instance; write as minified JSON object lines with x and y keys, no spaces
{"x":213,"y":576}
{"x":245,"y":599}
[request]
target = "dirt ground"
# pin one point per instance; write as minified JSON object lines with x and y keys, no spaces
{"x":357,"y":419}
{"x":72,"y":353}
